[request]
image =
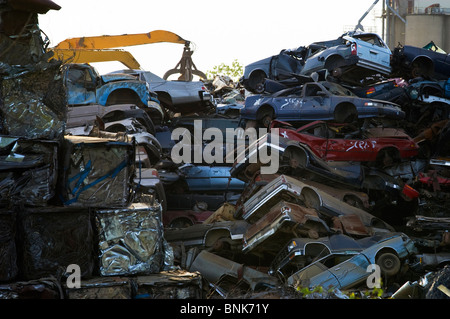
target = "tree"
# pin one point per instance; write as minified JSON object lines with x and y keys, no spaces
{"x":234,"y":71}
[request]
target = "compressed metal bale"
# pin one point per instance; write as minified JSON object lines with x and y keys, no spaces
{"x":28,"y":171}
{"x":43,"y":288}
{"x":131,"y":240}
{"x":96,"y":172}
{"x":34,"y":104}
{"x":52,"y":238}
{"x":8,"y":253}
{"x":101,"y":288}
{"x":176,"y":284}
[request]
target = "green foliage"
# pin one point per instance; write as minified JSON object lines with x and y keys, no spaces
{"x":234,"y":71}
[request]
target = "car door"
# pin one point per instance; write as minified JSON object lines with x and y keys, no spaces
{"x":350,"y":272}
{"x":80,"y":86}
{"x":314,"y":104}
{"x":316,"y":137}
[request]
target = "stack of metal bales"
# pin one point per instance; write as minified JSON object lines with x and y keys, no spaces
{"x":66,"y":201}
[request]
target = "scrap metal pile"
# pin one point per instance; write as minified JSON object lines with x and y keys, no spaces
{"x":93,"y":205}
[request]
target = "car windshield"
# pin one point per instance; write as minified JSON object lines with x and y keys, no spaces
{"x":336,"y":89}
{"x":369,"y":38}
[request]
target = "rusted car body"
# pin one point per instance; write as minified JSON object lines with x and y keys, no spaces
{"x":293,"y":190}
{"x":283,"y":221}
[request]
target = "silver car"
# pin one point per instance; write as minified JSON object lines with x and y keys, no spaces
{"x":360,"y":54}
{"x":346,"y":271}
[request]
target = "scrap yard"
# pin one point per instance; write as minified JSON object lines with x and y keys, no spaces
{"x":322,"y":172}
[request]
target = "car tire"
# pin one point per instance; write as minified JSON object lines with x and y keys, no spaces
{"x":265,"y":115}
{"x":266,"y":120}
{"x":389,"y":264}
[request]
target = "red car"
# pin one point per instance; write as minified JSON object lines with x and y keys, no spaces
{"x":342,"y":142}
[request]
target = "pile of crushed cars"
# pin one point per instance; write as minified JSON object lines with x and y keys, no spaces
{"x":94,"y":206}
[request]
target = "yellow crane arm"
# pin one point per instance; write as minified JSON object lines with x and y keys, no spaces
{"x":118,"y":41}
{"x":90,"y":56}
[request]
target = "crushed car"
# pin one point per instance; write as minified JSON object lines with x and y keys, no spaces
{"x":277,"y":67}
{"x":278,"y":225}
{"x":334,"y":142}
{"x":357,"y":55}
{"x":225,"y":276}
{"x":411,"y":62}
{"x":290,"y":189}
{"x":324,"y":100}
{"x":176,"y":96}
{"x":344,"y":272}
{"x":86,"y":86}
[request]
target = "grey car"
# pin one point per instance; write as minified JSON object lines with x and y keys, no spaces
{"x":346,"y":271}
{"x":177,"y":96}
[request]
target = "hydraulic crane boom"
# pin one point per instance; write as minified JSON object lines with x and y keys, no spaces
{"x":118,"y":41}
{"x":99,"y":49}
{"x":90,"y":56}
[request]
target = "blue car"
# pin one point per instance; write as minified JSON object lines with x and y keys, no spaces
{"x":411,"y":62}
{"x":323,"y":100}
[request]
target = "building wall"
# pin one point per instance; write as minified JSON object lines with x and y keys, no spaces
{"x":420,"y":29}
{"x":422,"y":25}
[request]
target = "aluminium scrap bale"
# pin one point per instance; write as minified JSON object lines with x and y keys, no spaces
{"x":33,"y":103}
{"x":131,"y":240}
{"x":28,"y":171}
{"x":101,"y":288}
{"x":174,"y":284}
{"x":96,"y":172}
{"x":52,"y":238}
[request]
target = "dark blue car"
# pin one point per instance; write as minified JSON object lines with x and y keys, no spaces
{"x":323,"y":100}
{"x":411,"y":62}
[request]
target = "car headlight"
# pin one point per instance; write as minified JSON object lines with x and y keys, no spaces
{"x":373,"y":104}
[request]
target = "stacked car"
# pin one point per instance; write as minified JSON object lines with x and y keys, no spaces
{"x":331,"y":171}
{"x":355,"y":157}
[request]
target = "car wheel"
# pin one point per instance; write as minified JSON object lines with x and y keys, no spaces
{"x":389,"y":264}
{"x":265,"y":115}
{"x":334,"y":65}
{"x":266,"y":120}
